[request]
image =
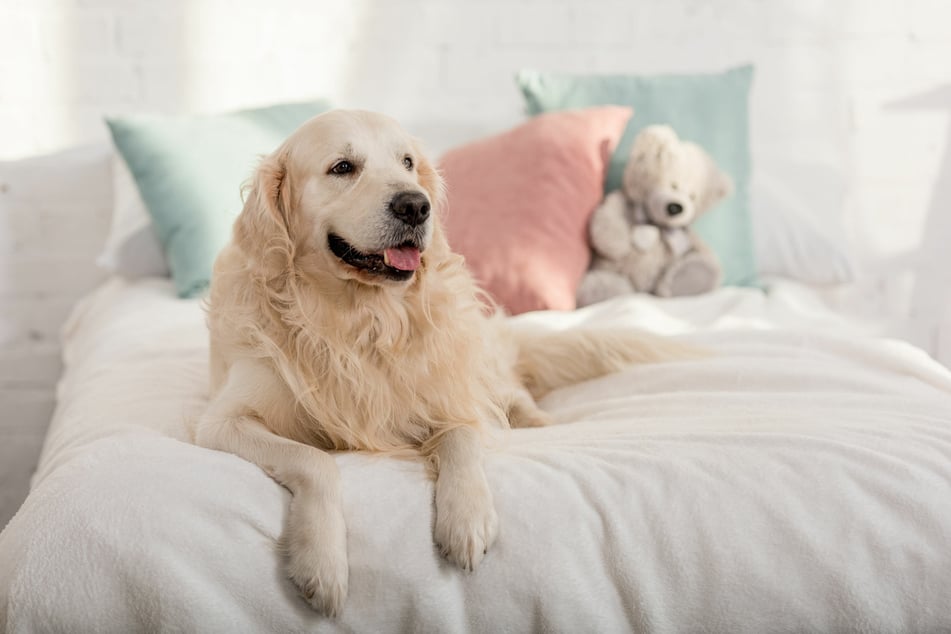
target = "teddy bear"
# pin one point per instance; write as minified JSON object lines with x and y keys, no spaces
{"x":640,"y":235}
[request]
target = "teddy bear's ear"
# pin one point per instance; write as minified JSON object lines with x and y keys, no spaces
{"x":655,"y":149}
{"x":652,"y":140}
{"x":720,"y":186}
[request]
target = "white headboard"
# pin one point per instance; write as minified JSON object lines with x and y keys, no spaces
{"x":54,"y":212}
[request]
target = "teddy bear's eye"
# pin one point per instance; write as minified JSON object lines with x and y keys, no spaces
{"x":673,"y":186}
{"x":693,"y":197}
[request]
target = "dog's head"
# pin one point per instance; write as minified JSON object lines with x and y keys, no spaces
{"x":351,"y":194}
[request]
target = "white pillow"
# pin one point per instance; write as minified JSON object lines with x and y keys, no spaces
{"x":132,"y":249}
{"x":797,"y":223}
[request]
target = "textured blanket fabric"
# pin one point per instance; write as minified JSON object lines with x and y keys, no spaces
{"x":798,"y":480}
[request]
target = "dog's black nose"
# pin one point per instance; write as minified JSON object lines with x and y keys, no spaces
{"x":410,"y":207}
{"x":674,"y":209}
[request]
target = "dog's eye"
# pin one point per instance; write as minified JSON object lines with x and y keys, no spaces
{"x":342,"y":167}
{"x":408,"y":162}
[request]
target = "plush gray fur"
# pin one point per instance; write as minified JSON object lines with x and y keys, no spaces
{"x":638,"y":244}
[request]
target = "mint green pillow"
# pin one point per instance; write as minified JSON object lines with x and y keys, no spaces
{"x":189,"y":171}
{"x":711,"y":110}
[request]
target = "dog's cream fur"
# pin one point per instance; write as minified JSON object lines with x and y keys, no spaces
{"x":310,"y":354}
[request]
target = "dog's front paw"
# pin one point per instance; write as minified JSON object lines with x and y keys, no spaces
{"x":466,"y":522}
{"x":317,"y":563}
{"x":322,"y":583}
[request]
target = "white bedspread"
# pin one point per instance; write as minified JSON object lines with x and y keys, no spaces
{"x":798,"y":481}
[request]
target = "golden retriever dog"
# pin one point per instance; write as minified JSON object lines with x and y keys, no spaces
{"x":341,"y":320}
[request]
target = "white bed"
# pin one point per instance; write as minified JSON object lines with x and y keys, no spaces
{"x":800,"y":480}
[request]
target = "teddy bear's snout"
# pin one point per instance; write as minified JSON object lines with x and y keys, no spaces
{"x":674,"y":209}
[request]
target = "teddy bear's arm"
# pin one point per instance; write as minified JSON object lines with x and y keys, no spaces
{"x":609,"y":230}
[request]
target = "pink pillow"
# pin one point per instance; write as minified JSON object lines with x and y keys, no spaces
{"x":519,"y":204}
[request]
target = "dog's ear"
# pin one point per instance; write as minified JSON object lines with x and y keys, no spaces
{"x":264,"y":217}
{"x":430,"y":179}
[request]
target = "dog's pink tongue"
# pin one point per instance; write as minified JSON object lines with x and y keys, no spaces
{"x":403,"y":258}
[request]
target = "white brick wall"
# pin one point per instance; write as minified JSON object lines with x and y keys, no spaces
{"x":831,"y":78}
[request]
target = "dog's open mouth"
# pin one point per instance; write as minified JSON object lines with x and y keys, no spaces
{"x":396,"y":263}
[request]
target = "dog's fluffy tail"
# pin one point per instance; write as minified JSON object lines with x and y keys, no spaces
{"x":547,"y":361}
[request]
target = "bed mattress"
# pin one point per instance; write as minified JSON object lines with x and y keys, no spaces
{"x":797,"y":480}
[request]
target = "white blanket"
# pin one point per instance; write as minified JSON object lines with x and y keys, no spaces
{"x":798,"y":481}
